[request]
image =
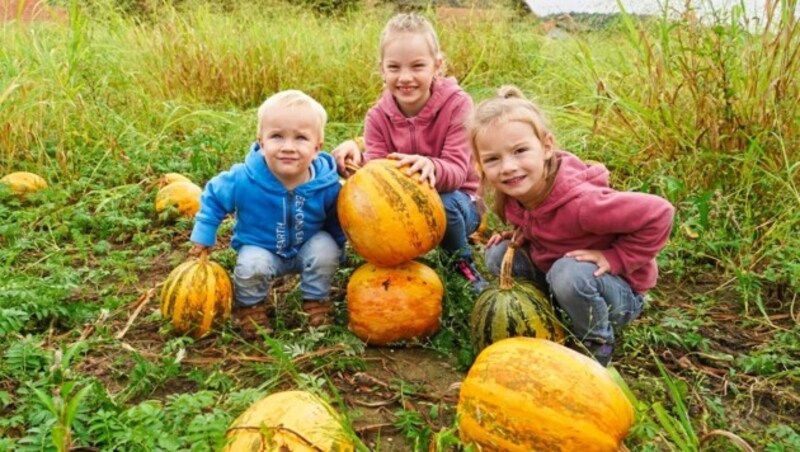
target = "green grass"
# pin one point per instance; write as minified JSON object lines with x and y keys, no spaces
{"x":706,"y":116}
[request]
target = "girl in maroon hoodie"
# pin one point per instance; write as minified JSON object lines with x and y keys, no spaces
{"x":419,"y":121}
{"x":594,"y":247}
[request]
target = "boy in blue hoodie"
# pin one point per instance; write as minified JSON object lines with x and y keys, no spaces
{"x":284,"y":200}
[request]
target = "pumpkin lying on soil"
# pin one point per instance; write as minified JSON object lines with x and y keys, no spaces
{"x":388,"y":217}
{"x":390,"y":304}
{"x":22,"y":182}
{"x":295,"y":421}
{"x":513,"y":308}
{"x":184,"y":196}
{"x":197,"y":296}
{"x":525,"y":394}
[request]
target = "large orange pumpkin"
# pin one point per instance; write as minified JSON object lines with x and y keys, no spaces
{"x":390,"y":304}
{"x":526,"y":394}
{"x":22,"y":182}
{"x":388,"y":217}
{"x":197,"y":296}
{"x":184,"y":196}
{"x":295,"y":421}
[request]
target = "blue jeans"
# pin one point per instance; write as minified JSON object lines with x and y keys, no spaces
{"x":594,"y":305}
{"x":463,"y":219}
{"x":316,"y":262}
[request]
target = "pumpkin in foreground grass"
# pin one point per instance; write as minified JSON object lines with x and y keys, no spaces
{"x":171,"y":178}
{"x":295,"y":421}
{"x":529,"y":394}
{"x":22,"y":182}
{"x":513,"y":308}
{"x":184,"y":196}
{"x":390,"y":304}
{"x":197,"y":296}
{"x":388,"y":217}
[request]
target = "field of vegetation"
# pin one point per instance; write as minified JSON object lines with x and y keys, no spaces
{"x":703,"y":113}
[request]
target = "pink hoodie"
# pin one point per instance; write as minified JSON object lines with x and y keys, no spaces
{"x":582,"y":212}
{"x":437,"y":132}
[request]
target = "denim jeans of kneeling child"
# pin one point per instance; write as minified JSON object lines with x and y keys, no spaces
{"x":463,"y":219}
{"x":256,"y":268}
{"x":595,"y":305}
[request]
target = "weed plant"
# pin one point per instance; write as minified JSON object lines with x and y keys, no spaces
{"x":701,"y":111}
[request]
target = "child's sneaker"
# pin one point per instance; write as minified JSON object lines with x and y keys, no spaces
{"x":600,"y":352}
{"x":467,"y":269}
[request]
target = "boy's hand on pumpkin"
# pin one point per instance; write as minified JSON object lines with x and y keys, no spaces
{"x":346,"y":151}
{"x":197,"y":249}
{"x":416,"y":164}
{"x":591,"y":256}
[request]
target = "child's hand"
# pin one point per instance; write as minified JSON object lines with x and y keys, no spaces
{"x":498,"y":237}
{"x":418,"y":164}
{"x":591,"y":256}
{"x":197,"y":249}
{"x":346,"y":151}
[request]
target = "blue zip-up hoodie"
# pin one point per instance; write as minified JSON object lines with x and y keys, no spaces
{"x":267,"y":214}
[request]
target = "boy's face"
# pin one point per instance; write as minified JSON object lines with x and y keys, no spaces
{"x":290,"y":139}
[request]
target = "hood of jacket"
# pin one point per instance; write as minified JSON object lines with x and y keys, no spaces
{"x":257,"y":170}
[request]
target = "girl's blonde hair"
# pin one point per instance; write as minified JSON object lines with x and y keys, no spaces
{"x":411,"y":23}
{"x":292,"y":98}
{"x":509,"y":105}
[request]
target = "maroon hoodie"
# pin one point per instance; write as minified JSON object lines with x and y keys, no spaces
{"x":582,"y":212}
{"x":437,"y":132}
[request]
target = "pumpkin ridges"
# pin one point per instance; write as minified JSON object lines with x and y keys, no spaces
{"x":168,"y":306}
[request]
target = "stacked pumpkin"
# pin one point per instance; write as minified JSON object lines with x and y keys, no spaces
{"x":390,"y":219}
{"x":179,"y":192}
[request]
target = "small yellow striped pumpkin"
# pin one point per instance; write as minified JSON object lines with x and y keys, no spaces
{"x":22,"y":182}
{"x":184,"y":196}
{"x":295,"y":421}
{"x":390,"y":304}
{"x":197,"y":296}
{"x":388,"y":217}
{"x":527,"y":394}
{"x":513,"y":308}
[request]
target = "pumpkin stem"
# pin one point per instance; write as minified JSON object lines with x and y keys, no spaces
{"x":203,"y":256}
{"x":352,"y":167}
{"x":506,"y":281}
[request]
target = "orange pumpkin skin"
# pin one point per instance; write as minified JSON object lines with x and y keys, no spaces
{"x":525,"y":394}
{"x":388,"y":217}
{"x":184,"y":196}
{"x":171,"y":178}
{"x":393,"y":304}
{"x":22,"y":182}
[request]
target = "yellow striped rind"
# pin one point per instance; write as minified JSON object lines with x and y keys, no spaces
{"x":392,"y":304}
{"x":184,"y":196}
{"x":522,"y":310}
{"x":22,"y":182}
{"x":196,"y":297}
{"x":526,"y":394}
{"x":292,"y":420}
{"x":388,"y":217}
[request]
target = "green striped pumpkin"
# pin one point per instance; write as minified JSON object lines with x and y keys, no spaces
{"x":512,"y":309}
{"x":197,"y":296}
{"x":388,"y":217}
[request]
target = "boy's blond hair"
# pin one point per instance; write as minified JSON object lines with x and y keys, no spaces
{"x":411,"y":23}
{"x":292,"y":98}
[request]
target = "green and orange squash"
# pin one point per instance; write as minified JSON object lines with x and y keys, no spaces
{"x":197,"y":296}
{"x":388,"y":217}
{"x":391,"y":304}
{"x":23,"y":182}
{"x":528,"y":394}
{"x":513,"y":308}
{"x":295,"y":421}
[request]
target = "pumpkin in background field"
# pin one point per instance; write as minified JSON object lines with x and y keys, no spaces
{"x":527,"y":394}
{"x":513,"y":308}
{"x":388,"y":217}
{"x":184,"y":196}
{"x":197,"y":296}
{"x":390,"y":304}
{"x":171,"y":178}
{"x":295,"y":421}
{"x":22,"y":182}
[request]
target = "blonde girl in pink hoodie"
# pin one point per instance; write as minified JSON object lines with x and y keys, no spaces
{"x":419,"y":121}
{"x":592,"y":246}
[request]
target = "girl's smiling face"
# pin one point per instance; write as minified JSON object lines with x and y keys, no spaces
{"x":409,"y":67}
{"x":513,"y":159}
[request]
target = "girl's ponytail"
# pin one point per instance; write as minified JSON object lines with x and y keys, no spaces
{"x":510,"y":92}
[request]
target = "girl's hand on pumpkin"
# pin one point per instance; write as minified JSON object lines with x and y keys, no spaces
{"x":591,"y":256}
{"x":417,"y":164}
{"x":197,"y":249}
{"x":346,"y":151}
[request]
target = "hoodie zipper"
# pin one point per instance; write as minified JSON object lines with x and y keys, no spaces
{"x":290,"y":222}
{"x":413,"y":136}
